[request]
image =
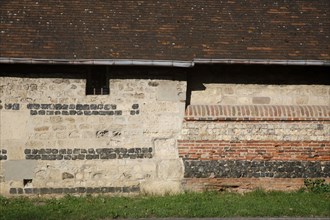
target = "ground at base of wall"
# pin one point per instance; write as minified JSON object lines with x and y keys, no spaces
{"x":244,"y":184}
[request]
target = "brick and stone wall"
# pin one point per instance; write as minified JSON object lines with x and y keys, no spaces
{"x":55,"y":139}
{"x":246,"y":146}
{"x":162,"y":129}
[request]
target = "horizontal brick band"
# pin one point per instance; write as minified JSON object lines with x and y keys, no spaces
{"x":87,"y":154}
{"x":256,"y":169}
{"x":254,"y":150}
{"x":75,"y":190}
{"x":256,"y":112}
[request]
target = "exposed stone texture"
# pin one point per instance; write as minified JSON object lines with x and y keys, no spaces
{"x":260,"y":100}
{"x":215,"y":94}
{"x":255,"y":169}
{"x":163,"y":187}
{"x":3,"y":154}
{"x":259,"y":85}
{"x":165,"y":148}
{"x":61,"y":140}
{"x":170,"y":170}
{"x":17,"y":170}
{"x":74,"y":140}
{"x":66,"y":175}
{"x":11,"y":106}
{"x":75,"y":190}
{"x":3,"y":157}
{"x":77,"y":109}
{"x":257,"y":131}
{"x":87,"y":154}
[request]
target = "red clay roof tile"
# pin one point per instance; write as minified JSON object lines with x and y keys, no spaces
{"x":165,"y":30}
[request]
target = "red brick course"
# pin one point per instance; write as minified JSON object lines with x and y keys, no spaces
{"x":254,"y":150}
{"x":257,"y":113}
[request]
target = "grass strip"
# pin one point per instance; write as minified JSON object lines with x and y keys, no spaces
{"x":207,"y":204}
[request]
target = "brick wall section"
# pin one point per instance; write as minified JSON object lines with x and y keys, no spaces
{"x":254,"y":150}
{"x":257,"y":112}
{"x":243,"y":147}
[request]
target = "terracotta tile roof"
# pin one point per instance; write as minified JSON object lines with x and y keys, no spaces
{"x":165,"y":30}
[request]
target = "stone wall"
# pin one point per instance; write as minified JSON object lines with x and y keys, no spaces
{"x":241,"y":94}
{"x":55,"y":139}
{"x":162,"y":129}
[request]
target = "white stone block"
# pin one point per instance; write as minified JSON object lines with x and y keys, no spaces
{"x":170,"y":169}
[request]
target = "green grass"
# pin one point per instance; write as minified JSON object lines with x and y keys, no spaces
{"x":208,"y":204}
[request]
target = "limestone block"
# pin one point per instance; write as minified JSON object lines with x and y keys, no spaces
{"x":3,"y":188}
{"x":2,"y":177}
{"x":169,"y":91}
{"x":244,"y":100}
{"x":228,"y":100}
{"x":261,"y":100}
{"x":19,"y":169}
{"x":170,"y":169}
{"x":168,"y":122}
{"x":34,"y":144}
{"x":302,"y":100}
{"x":319,"y":100}
{"x":13,"y":125}
{"x":165,"y":148}
{"x":209,"y":95}
{"x":16,"y":150}
{"x":149,"y":170}
{"x":228,"y":90}
{"x":161,"y":187}
{"x":139,"y":169}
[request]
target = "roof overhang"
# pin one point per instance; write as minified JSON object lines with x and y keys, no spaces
{"x":163,"y":63}
{"x":110,"y":62}
{"x":265,"y":62}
